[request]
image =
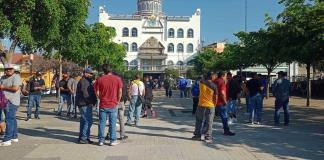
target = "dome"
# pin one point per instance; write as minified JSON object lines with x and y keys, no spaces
{"x":149,"y":7}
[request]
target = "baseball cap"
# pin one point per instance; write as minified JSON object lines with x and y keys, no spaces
{"x":88,"y":70}
{"x":9,"y":66}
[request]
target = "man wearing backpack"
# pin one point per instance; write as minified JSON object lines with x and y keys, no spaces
{"x":10,"y":86}
{"x":136,"y":93}
{"x":182,"y":84}
{"x":195,"y":95}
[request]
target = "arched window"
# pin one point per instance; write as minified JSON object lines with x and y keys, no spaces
{"x":180,"y":33}
{"x":190,"y":33}
{"x":126,"y":46}
{"x":156,"y":7}
{"x":171,"y":47}
{"x":171,"y":33}
{"x":134,"y":47}
{"x":190,"y":48}
{"x":180,"y":63}
{"x":134,"y":32}
{"x":170,"y":63}
{"x":180,"y":47}
{"x":125,"y":32}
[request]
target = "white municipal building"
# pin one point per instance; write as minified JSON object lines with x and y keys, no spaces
{"x":155,"y":41}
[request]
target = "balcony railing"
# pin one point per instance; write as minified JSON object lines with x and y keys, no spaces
{"x":153,"y":68}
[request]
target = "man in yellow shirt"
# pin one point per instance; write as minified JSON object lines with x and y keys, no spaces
{"x":206,"y":108}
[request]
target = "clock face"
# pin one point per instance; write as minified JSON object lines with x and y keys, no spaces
{"x":151,"y":22}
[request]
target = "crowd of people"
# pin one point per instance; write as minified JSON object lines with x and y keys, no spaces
{"x":213,"y":95}
{"x":220,"y":94}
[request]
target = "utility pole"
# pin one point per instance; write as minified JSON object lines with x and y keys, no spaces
{"x":246,"y":15}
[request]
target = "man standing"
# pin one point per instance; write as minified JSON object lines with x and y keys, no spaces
{"x":148,"y":97}
{"x":85,"y":100}
{"x":10,"y":85}
{"x":35,"y":87}
{"x":168,"y":84}
{"x":234,"y":90}
{"x":188,"y":88}
{"x":222,"y":102}
{"x":65,"y":94}
{"x":281,"y":90}
{"x":206,"y":109}
{"x":182,"y":84}
{"x":72,"y":85}
{"x":195,"y":95}
{"x":109,"y":90}
{"x":255,"y":88}
{"x":136,"y":94}
{"x":121,"y":111}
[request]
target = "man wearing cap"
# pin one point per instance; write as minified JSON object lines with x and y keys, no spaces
{"x":281,"y":90}
{"x":85,"y":100}
{"x":35,"y":87}
{"x":10,"y":85}
{"x":65,"y":94}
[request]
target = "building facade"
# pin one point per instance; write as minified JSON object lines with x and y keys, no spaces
{"x":153,"y":40}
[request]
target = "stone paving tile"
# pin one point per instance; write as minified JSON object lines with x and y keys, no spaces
{"x":168,"y":136}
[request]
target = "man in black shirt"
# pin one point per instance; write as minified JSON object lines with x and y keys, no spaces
{"x":85,"y":100}
{"x":35,"y":87}
{"x":255,"y":88}
{"x":65,"y":94}
{"x":148,"y":97}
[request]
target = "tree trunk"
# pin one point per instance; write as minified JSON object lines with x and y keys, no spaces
{"x":308,"y":85}
{"x":314,"y":72}
{"x":60,"y":75}
{"x":11,"y":51}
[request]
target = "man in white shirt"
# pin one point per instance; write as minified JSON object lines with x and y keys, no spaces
{"x":136,"y":93}
{"x":188,"y":88}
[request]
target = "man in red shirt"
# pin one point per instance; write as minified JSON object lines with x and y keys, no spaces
{"x":108,"y":89}
{"x":222,"y":102}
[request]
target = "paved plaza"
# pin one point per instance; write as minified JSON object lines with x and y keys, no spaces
{"x":169,"y":136}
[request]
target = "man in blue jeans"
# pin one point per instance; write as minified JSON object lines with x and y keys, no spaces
{"x":65,"y":94}
{"x":255,"y":99}
{"x":85,"y":100}
{"x":281,"y":90}
{"x":10,"y":85}
{"x":136,"y":91}
{"x":182,"y":84}
{"x":109,"y":90}
{"x":35,"y":87}
{"x":222,"y":102}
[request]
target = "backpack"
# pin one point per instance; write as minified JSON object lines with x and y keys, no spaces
{"x":3,"y":100}
{"x":195,"y":90}
{"x":182,"y":83}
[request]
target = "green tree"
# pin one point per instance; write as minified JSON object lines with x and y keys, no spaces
{"x":171,"y":72}
{"x":264,"y":48}
{"x":303,"y":36}
{"x":100,"y":47}
{"x":27,"y":22}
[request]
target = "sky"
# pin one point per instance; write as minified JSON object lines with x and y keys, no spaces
{"x":220,"y":18}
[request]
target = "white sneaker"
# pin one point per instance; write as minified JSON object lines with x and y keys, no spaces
{"x":230,"y":121}
{"x":5,"y":144}
{"x":114,"y":143}
{"x":15,"y":140}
